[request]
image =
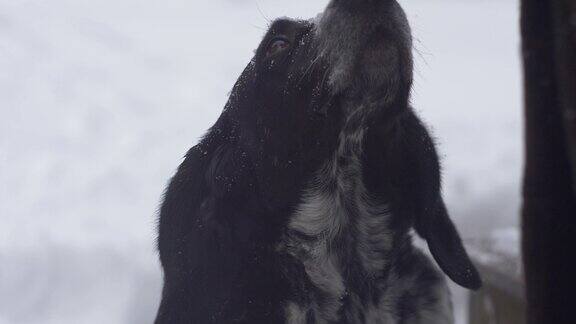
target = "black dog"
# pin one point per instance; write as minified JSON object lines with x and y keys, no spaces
{"x":297,"y":205}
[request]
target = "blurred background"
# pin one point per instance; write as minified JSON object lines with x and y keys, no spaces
{"x":100,"y":100}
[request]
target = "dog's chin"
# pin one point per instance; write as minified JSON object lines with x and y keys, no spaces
{"x":367,"y":63}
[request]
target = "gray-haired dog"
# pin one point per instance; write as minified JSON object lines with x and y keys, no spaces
{"x":297,"y":205}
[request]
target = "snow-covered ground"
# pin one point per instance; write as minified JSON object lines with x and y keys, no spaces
{"x":100,"y":99}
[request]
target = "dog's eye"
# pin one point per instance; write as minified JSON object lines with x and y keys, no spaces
{"x":277,"y":45}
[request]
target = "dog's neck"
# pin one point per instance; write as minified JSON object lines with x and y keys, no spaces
{"x":338,"y":231}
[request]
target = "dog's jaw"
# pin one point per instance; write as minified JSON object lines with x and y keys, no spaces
{"x":367,"y":45}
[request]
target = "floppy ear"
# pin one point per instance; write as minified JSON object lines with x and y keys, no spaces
{"x":419,"y":172}
{"x":446,"y":247}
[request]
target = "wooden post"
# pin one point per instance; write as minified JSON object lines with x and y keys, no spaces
{"x":549,"y":210}
{"x":565,"y":46}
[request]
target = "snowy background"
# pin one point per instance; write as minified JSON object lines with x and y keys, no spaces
{"x":100,"y":99}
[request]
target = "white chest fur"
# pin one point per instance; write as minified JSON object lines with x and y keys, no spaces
{"x":337,"y":205}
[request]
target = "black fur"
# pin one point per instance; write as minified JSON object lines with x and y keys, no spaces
{"x":226,"y":210}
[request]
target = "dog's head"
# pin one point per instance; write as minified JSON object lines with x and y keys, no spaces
{"x":309,"y":82}
{"x":293,"y":98}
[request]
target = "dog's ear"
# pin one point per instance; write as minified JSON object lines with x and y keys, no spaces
{"x":446,"y":247}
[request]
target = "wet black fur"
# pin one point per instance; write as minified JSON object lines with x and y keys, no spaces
{"x":227,"y":207}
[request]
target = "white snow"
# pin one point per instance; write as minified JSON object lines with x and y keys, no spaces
{"x":100,"y":100}
{"x":500,"y":251}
